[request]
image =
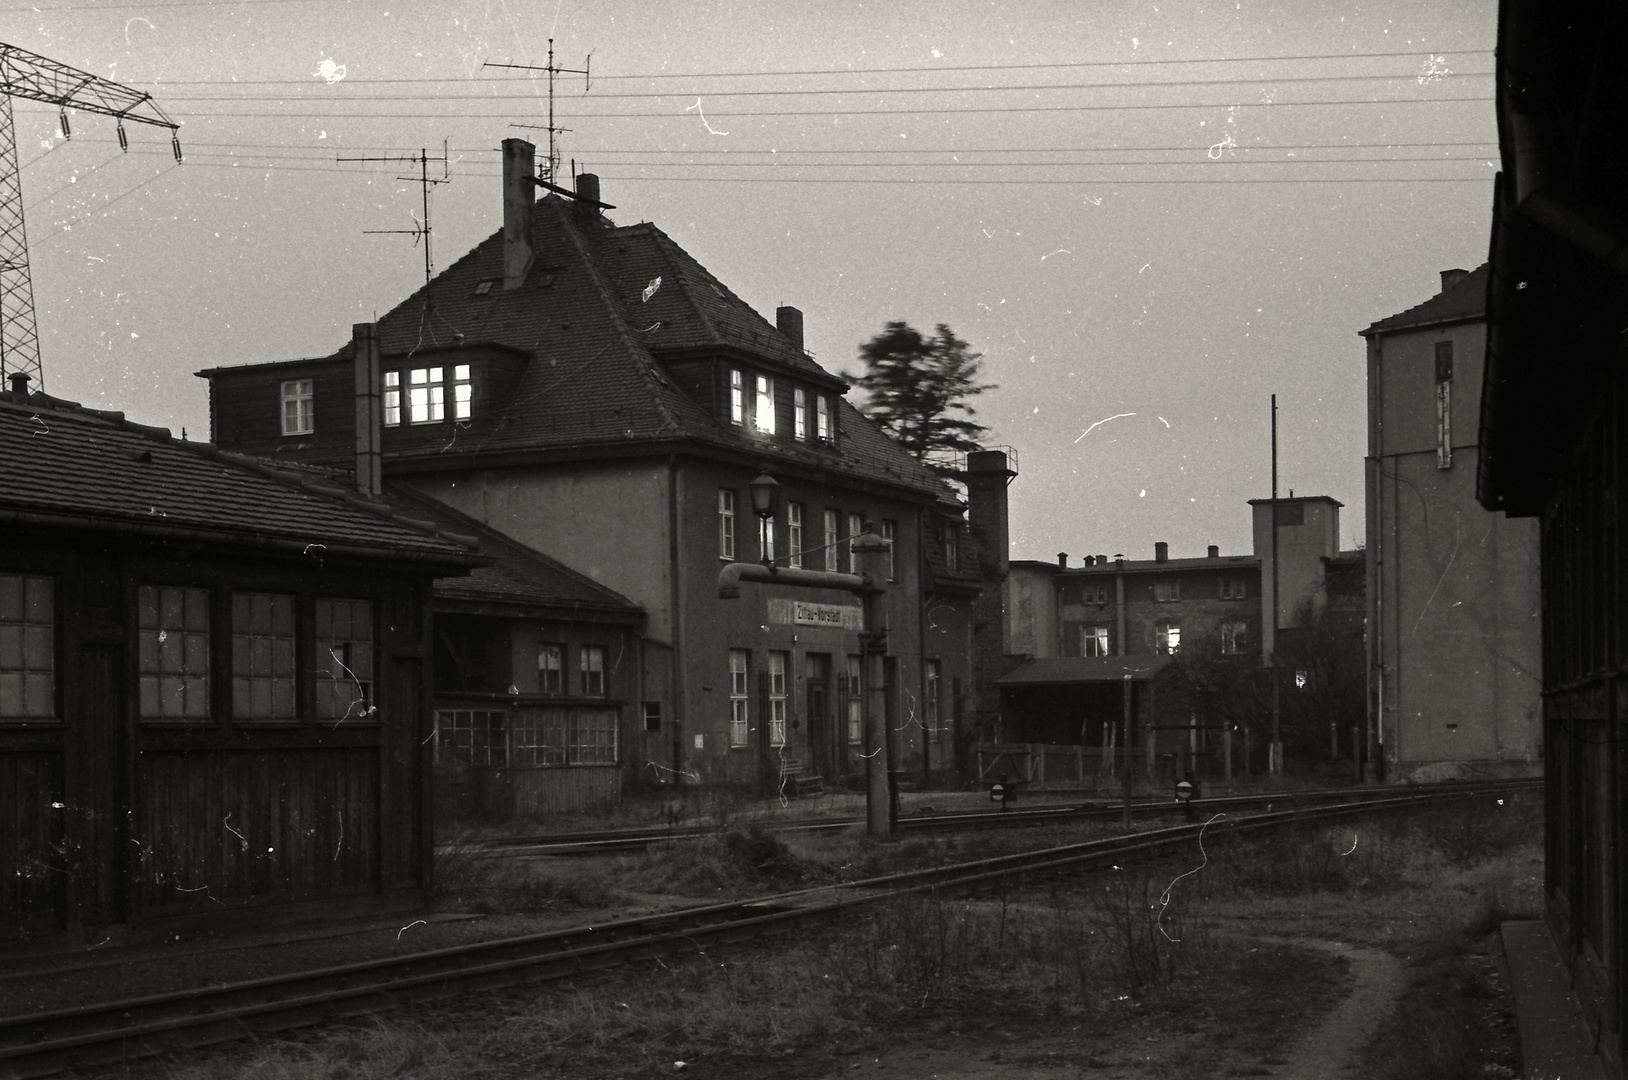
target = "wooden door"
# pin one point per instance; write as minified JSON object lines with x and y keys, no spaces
{"x":103,"y":801}
{"x":822,"y":744}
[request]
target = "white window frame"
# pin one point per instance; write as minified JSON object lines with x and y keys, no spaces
{"x":824,"y":429}
{"x":426,"y":395}
{"x":392,"y":399}
{"x":591,"y":670}
{"x":763,"y":405}
{"x":854,"y":699}
{"x":765,"y":539}
{"x":550,"y":668}
{"x":1094,"y":641}
{"x":172,"y":635}
{"x":27,"y":647}
{"x":299,"y":407}
{"x":740,"y":701}
{"x":1167,"y":637}
{"x":1234,"y":637}
{"x":832,"y":549}
{"x":799,"y":414}
{"x":737,"y":397}
{"x":856,"y":525}
{"x":888,"y":531}
{"x":463,"y":392}
{"x":1167,"y":591}
{"x":483,"y":734}
{"x":726,"y":524}
{"x":794,"y":534}
{"x":778,"y":663}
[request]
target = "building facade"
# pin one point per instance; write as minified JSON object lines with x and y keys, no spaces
{"x":592,"y":392}
{"x":1453,"y":590}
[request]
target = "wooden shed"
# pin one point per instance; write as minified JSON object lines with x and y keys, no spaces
{"x":214,"y":683}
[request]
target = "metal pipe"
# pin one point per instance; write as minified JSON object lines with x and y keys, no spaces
{"x":731,"y":576}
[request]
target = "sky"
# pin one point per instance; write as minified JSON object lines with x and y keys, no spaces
{"x":1148,"y":217}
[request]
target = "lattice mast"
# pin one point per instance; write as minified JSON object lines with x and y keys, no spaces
{"x":38,"y":78}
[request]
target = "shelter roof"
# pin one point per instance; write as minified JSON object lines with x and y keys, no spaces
{"x":1062,"y":670}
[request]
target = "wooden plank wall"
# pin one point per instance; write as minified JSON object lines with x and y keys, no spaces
{"x":570,"y":790}
{"x":33,"y":877}
{"x":267,"y":826}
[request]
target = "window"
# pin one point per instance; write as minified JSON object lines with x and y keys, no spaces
{"x":469,"y":737}
{"x":799,"y":414}
{"x":1291,"y":514}
{"x":591,"y":737}
{"x":172,"y":636}
{"x":737,"y":397}
{"x":738,"y":714}
{"x":778,"y":662}
{"x":263,"y":656}
{"x":726,"y":525}
{"x":1093,"y":594}
{"x":794,"y":534}
{"x":591,"y":666}
{"x":933,"y":676}
{"x":392,"y":398}
{"x":344,"y":659}
{"x":765,"y":539}
{"x":539,"y":737}
{"x":1167,"y":591}
{"x":1232,"y":588}
{"x":856,"y":525}
{"x":1234,"y":638}
{"x":1093,"y":641}
{"x":831,"y":551}
{"x":550,"y":669}
{"x":652,"y":716}
{"x":297,"y":407}
{"x":763,"y":413}
{"x":426,"y":396}
{"x":463,"y":392}
{"x":824,"y":429}
{"x":952,"y":546}
{"x":1167,"y":638}
{"x":27,"y":647}
{"x":1444,"y":404}
{"x":888,"y":529}
{"x":854,"y":690}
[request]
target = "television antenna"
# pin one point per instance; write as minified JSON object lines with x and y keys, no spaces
{"x":421,"y":228}
{"x":550,"y":170}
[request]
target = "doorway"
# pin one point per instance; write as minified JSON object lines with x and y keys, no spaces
{"x":822,"y":744}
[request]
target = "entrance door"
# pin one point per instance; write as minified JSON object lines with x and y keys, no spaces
{"x":822,"y":735}
{"x":102,"y":785}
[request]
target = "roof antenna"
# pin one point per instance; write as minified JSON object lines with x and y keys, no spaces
{"x":549,"y":169}
{"x":425,"y":180}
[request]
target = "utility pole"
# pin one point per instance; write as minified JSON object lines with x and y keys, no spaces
{"x":1125,"y":738}
{"x":551,"y":170}
{"x":1275,"y":751}
{"x":425,"y":180}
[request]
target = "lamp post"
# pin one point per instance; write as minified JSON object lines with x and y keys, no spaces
{"x":766,"y":505}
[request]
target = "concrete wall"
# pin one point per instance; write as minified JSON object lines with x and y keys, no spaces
{"x":1031,"y":610}
{"x":1302,"y":550}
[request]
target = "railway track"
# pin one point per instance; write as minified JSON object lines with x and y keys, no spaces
{"x":47,"y":1043}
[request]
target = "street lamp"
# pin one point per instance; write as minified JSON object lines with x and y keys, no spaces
{"x":766,"y":505}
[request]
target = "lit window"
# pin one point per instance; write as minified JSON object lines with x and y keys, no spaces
{"x":737,"y":397}
{"x":469,"y":737}
{"x":726,"y":525}
{"x":887,"y":538}
{"x":1167,"y":638}
{"x":738,"y":729}
{"x":344,"y":659}
{"x":392,"y":398}
{"x":794,"y":534}
{"x":1093,"y":641}
{"x":550,"y":669}
{"x":763,"y":414}
{"x":426,"y":396}
{"x":831,"y":539}
{"x":934,"y":679}
{"x":172,"y":635}
{"x":1234,"y":638}
{"x":591,"y":666}
{"x":27,"y":647}
{"x":856,"y":525}
{"x":463,"y":392}
{"x":263,"y":656}
{"x":765,"y":539}
{"x":1301,"y":678}
{"x":823,"y":429}
{"x":799,"y":414}
{"x":853,"y":689}
{"x":1167,"y":591}
{"x":778,"y":662}
{"x":297,"y":407}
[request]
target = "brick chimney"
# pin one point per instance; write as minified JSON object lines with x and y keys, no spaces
{"x":1213,"y":551}
{"x":1449,"y":278}
{"x":519,"y":194}
{"x":588,"y":189}
{"x":1161,"y":552}
{"x":789,"y":321}
{"x":1062,"y":559}
{"x":369,"y":419}
{"x":19,"y":385}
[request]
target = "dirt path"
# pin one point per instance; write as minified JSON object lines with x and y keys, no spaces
{"x":1325,"y":1053}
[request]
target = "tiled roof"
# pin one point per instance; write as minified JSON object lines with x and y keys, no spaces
{"x":96,"y":470}
{"x":1467,"y":299}
{"x":518,"y":574}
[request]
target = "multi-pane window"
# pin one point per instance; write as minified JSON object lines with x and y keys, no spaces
{"x":550,"y":669}
{"x":392,"y":398}
{"x":1093,"y":641}
{"x":737,"y":397}
{"x":469,"y":737}
{"x":778,"y":662}
{"x":934,"y":686}
{"x":27,"y":647}
{"x":1232,"y":588}
{"x":1234,"y":638}
{"x":1091,"y":593}
{"x":856,"y":525}
{"x":263,"y":656}
{"x":172,"y":638}
{"x":1167,"y":591}
{"x":567,"y":735}
{"x":853,"y":686}
{"x":799,"y":414}
{"x":463,"y":392}
{"x":344,"y":652}
{"x":738,"y":689}
{"x":824,"y":430}
{"x":726,"y":525}
{"x":426,"y":396}
{"x":763,"y":414}
{"x":1167,"y":638}
{"x":794,"y":534}
{"x":952,"y":546}
{"x":888,"y":530}
{"x":591,"y":737}
{"x":298,"y":407}
{"x":831,"y":550}
{"x":765,"y":539}
{"x":1444,"y":404}
{"x":591,"y":666}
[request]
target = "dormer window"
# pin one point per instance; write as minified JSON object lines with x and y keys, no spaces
{"x":737,"y":396}
{"x":298,"y":413}
{"x":427,"y":393}
{"x":799,"y":414}
{"x":426,"y":396}
{"x":823,"y":429}
{"x":763,"y":414}
{"x":392,"y":398}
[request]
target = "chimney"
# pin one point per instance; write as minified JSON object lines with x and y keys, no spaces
{"x":519,"y":169}
{"x":1062,"y":559}
{"x":789,"y":321}
{"x":588,"y":190}
{"x":1449,"y":278}
{"x":1090,"y":560}
{"x":369,"y":451}
{"x":1161,"y":552}
{"x":19,"y":385}
{"x":1213,"y":551}
{"x":1102,"y":560}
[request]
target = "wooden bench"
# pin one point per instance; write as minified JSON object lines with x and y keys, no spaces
{"x":794,"y":783}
